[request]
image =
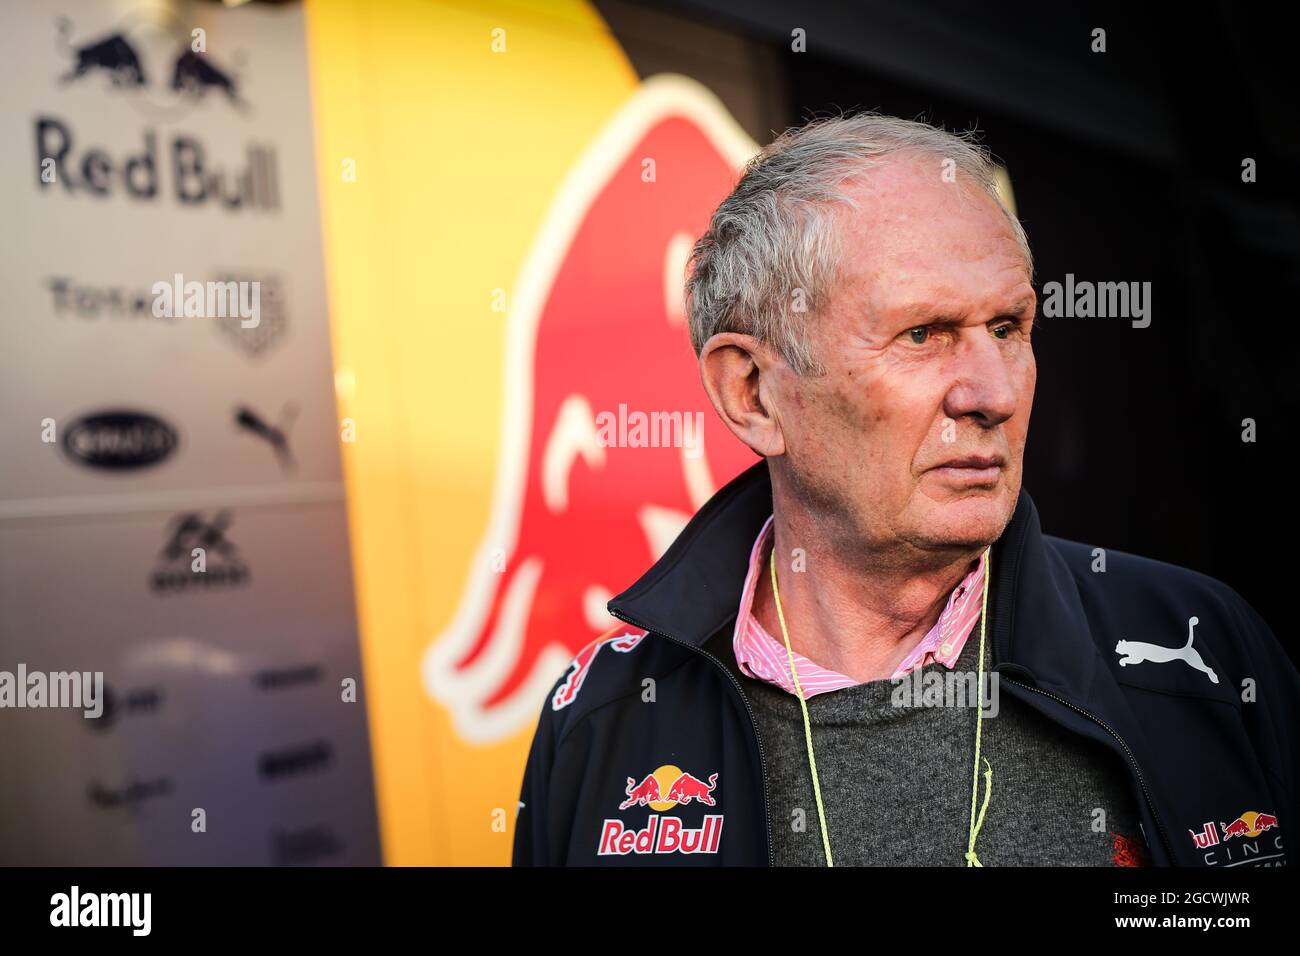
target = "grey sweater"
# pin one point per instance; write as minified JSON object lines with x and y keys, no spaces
{"x":896,"y":781}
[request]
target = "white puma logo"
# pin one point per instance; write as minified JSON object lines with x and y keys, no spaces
{"x":1137,"y":652}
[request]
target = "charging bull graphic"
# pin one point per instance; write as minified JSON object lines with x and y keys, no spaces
{"x":1249,"y":824}
{"x":688,"y":788}
{"x":149,"y":34}
{"x":595,"y":335}
{"x":113,"y":54}
{"x":639,"y":794}
{"x":668,"y":786}
{"x":194,"y":75}
{"x":567,"y":692}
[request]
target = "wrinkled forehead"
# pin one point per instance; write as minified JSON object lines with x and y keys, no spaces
{"x":913,"y":233}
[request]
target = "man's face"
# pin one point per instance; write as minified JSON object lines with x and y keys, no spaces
{"x":915,"y":434}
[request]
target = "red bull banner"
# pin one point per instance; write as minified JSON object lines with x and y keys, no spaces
{"x":584,"y":501}
{"x":506,"y":293}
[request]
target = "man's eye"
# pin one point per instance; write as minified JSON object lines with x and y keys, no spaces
{"x":1002,"y":331}
{"x":919,"y":334}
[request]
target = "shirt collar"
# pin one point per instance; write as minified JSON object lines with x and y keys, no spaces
{"x":761,"y":656}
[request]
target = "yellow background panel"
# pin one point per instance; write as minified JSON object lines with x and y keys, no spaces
{"x":457,"y":151}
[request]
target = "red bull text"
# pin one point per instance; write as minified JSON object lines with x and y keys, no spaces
{"x":661,"y":835}
{"x":662,"y":789}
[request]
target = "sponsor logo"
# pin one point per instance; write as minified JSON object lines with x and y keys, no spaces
{"x":1138,"y":652}
{"x":662,"y":790}
{"x":273,"y":320}
{"x":152,"y":61}
{"x":1208,"y":837}
{"x":662,"y":835}
{"x":71,"y":298}
{"x":130,"y":794}
{"x":293,"y":761}
{"x":119,"y":440}
{"x":283,"y":678}
{"x":666,"y":787}
{"x":1249,"y":824}
{"x":198,"y":556}
{"x":137,"y":701}
{"x":277,"y":436}
{"x":573,"y":516}
{"x":177,"y":75}
{"x":1246,"y":827}
{"x":579,"y":667}
{"x":305,"y":845}
{"x":1128,"y":851}
{"x":195,"y":179}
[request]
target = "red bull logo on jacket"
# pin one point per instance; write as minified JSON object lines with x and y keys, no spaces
{"x":595,"y":325}
{"x":1247,"y":826}
{"x":567,"y":692}
{"x":666,"y":787}
{"x":660,"y":790}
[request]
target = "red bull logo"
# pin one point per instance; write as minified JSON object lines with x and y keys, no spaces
{"x":1249,"y":824}
{"x":668,"y":786}
{"x":1218,"y":839}
{"x":595,"y":328}
{"x":1208,"y":837}
{"x":567,"y":692}
{"x":180,"y":70}
{"x":1128,"y":851}
{"x":660,"y":790}
{"x":661,"y":835}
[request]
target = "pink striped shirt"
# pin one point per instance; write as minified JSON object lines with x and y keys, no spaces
{"x":763,"y":657}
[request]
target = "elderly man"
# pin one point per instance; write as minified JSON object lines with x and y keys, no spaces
{"x":864,"y":650}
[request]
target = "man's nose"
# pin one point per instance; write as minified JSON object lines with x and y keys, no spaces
{"x":985,"y":380}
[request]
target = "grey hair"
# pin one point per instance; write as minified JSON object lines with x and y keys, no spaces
{"x":770,"y":256}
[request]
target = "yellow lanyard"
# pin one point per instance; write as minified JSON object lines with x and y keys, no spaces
{"x":975,"y":824}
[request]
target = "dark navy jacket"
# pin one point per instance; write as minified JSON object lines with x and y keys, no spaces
{"x":647,"y":752}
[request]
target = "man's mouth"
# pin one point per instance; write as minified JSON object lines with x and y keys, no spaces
{"x":971,"y":471}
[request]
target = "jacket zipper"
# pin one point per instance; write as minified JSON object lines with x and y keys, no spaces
{"x":1010,"y":570}
{"x":1164,"y":836}
{"x":753,"y":724}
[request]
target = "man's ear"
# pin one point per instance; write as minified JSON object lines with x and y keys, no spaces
{"x":739,"y":374}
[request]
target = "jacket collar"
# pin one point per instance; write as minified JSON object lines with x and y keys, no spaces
{"x":1039,"y":628}
{"x":694,"y":589}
